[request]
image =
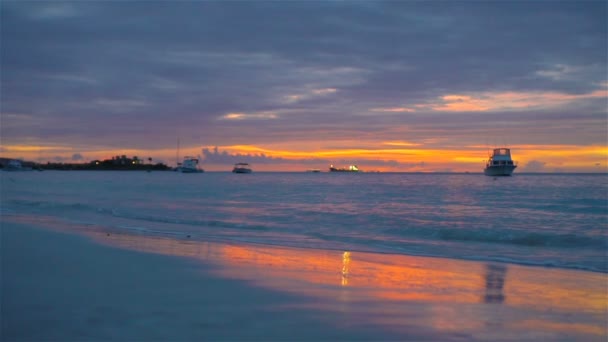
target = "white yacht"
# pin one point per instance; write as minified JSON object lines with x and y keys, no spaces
{"x":189,"y":165}
{"x":500,"y":163}
{"x":242,"y":168}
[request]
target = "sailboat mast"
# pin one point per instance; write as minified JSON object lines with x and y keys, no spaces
{"x":177,"y":154}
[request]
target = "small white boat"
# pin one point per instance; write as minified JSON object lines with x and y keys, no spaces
{"x":242,"y":168}
{"x":189,"y":165}
{"x":500,"y":163}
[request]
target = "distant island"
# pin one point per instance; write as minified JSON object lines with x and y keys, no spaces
{"x":117,"y":163}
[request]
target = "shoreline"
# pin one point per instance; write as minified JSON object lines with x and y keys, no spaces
{"x":78,"y":286}
{"x":61,"y":286}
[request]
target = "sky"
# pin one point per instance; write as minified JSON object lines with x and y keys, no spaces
{"x":402,"y":86}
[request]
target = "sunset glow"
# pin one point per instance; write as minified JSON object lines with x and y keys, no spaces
{"x":400,"y":157}
{"x":338,"y":91}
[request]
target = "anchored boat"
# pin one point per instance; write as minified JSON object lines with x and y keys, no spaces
{"x":189,"y":165}
{"x":242,"y":168}
{"x":500,"y":163}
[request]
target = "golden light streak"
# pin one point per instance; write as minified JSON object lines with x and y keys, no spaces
{"x":30,"y":148}
{"x":345,"y":267}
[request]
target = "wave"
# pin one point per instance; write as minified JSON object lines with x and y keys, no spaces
{"x":58,"y":208}
{"x":338,"y":233}
{"x":504,"y":236}
{"x":493,"y":235}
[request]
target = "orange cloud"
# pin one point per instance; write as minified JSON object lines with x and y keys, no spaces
{"x":28,"y":148}
{"x":458,"y":103}
{"x":488,"y":101}
{"x":247,"y":116}
{"x":394,"y":110}
{"x":400,"y":143}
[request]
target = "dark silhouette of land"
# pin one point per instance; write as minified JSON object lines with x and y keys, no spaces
{"x":120,"y":163}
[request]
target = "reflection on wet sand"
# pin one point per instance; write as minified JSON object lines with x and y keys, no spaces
{"x":448,"y":291}
{"x":495,"y":279}
{"x":401,"y":292}
{"x":450,"y":295}
{"x":345,"y":267}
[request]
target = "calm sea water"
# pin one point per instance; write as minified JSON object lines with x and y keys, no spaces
{"x":549,"y":220}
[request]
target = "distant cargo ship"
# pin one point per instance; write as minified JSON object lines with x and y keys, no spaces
{"x":500,"y":163}
{"x":351,"y":168}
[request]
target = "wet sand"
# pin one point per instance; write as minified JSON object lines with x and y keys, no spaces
{"x":74,"y":283}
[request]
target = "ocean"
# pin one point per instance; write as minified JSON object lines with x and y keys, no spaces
{"x":551,"y":220}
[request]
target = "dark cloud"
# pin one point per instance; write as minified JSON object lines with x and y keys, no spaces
{"x":139,"y":74}
{"x":214,"y":156}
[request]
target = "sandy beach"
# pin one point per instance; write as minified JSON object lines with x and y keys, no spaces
{"x":98,"y":285}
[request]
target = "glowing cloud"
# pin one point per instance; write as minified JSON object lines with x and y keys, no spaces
{"x":489,"y":101}
{"x":461,"y":103}
{"x":493,"y":101}
{"x":309,"y":94}
{"x":246,"y":116}
{"x":400,"y":143}
{"x":393,"y":110}
{"x":558,"y":72}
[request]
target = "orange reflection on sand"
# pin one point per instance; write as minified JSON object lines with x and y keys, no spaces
{"x":408,"y":279}
{"x":551,"y":289}
{"x":403,"y":280}
{"x":447,"y":294}
{"x":386,"y":276}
